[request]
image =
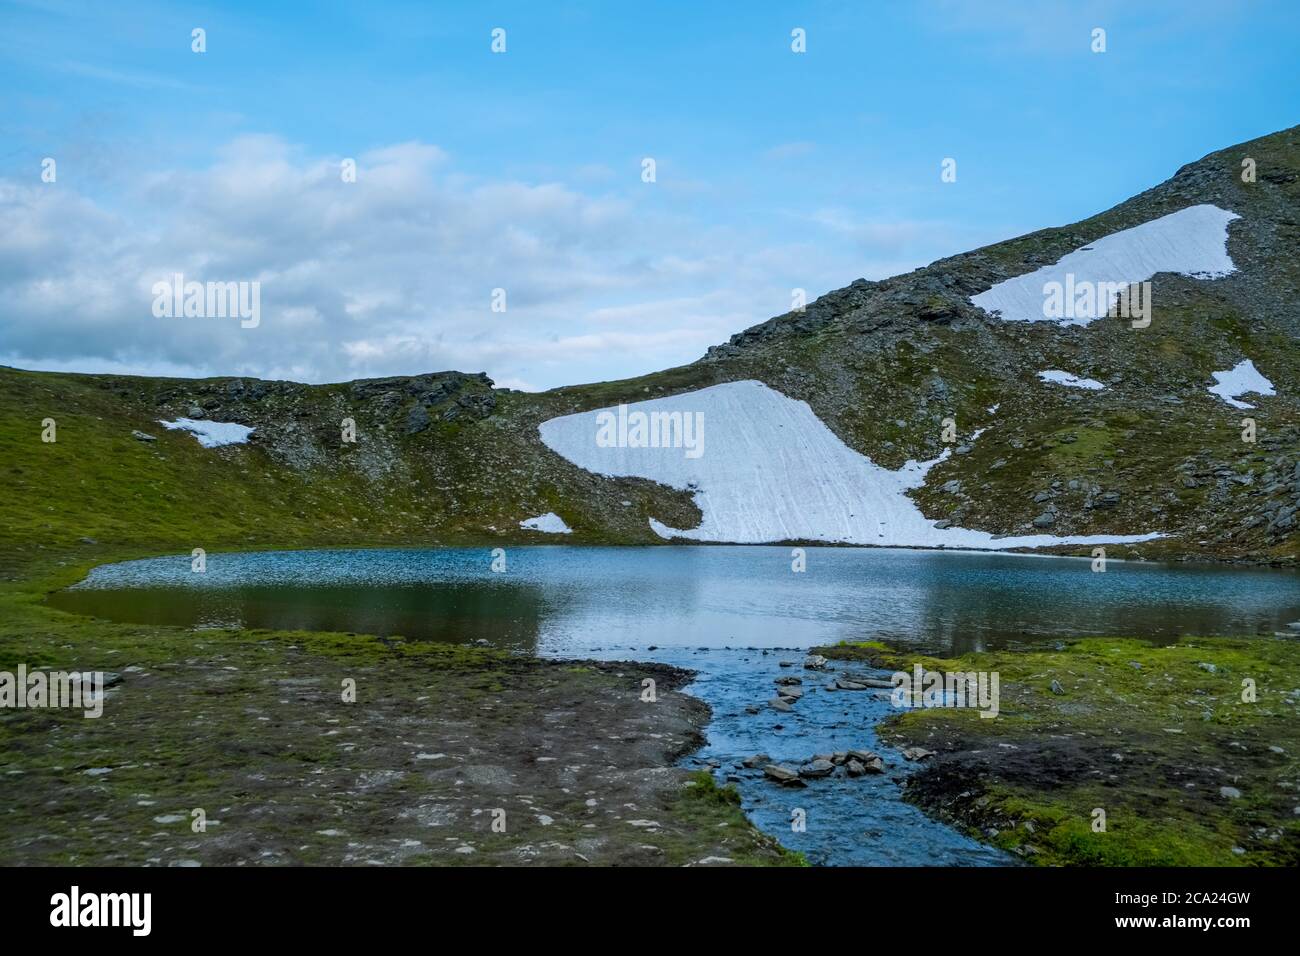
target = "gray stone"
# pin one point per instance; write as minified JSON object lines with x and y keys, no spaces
{"x":783,"y":775}
{"x":818,"y":768}
{"x":417,"y":420}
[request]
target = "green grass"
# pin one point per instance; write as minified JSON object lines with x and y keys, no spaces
{"x":706,"y":803}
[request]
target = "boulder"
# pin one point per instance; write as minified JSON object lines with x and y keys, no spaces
{"x":818,"y":768}
{"x":786,"y":776}
{"x":868,"y":760}
{"x":862,"y":683}
{"x":417,"y":420}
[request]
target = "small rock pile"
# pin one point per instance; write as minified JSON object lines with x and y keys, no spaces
{"x":855,"y":763}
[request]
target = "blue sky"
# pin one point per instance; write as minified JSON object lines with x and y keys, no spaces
{"x":522,"y":170}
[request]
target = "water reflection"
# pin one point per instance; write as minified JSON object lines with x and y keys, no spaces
{"x":504,"y":616}
{"x":566,"y":600}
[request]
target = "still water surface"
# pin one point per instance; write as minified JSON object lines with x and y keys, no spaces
{"x":568,"y":600}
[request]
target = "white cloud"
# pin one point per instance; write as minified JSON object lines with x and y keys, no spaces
{"x":394,"y":273}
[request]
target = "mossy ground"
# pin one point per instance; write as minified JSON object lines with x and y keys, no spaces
{"x":1146,"y":734}
{"x":252,"y":727}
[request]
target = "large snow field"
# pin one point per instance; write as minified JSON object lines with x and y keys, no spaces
{"x":770,"y":470}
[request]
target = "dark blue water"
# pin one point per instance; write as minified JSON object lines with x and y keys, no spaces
{"x":731,"y":614}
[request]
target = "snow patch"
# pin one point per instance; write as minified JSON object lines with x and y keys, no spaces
{"x":1238,"y":380}
{"x":211,"y":434}
{"x":1190,"y":242}
{"x":772,"y":471}
{"x":550,"y":522}
{"x":1071,"y":381}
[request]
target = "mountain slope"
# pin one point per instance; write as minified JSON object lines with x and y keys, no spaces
{"x":447,"y":458}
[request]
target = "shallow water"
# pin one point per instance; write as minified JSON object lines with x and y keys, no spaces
{"x":732,"y":614}
{"x":847,"y":821}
